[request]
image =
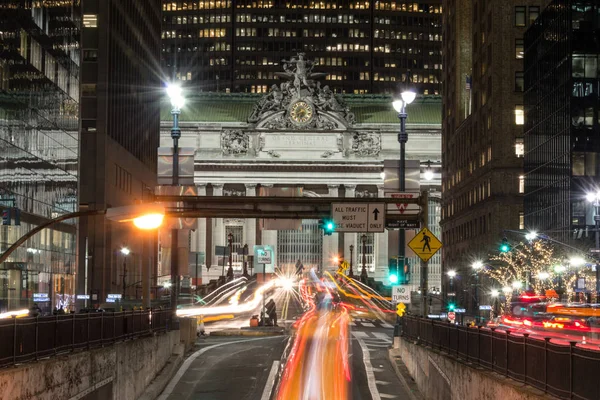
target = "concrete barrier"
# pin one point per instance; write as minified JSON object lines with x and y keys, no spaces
{"x":440,"y":377}
{"x":122,"y":371}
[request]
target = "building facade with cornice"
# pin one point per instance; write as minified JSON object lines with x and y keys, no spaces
{"x":302,"y":138}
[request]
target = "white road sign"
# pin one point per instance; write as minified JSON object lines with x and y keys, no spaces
{"x":358,"y":217}
{"x":263,"y":257}
{"x":401,"y":294}
{"x":400,"y":207}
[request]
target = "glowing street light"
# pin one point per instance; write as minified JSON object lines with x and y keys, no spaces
{"x":559,"y":269}
{"x":477,"y":265}
{"x":175,"y":94}
{"x":143,"y":216}
{"x":531,"y":235}
{"x":517,"y":285}
{"x":495,"y":293}
{"x":543,"y":275}
{"x":451,"y":273}
{"x":506,"y":289}
{"x":577,"y":261}
{"x":125,"y":251}
{"x":149,"y":221}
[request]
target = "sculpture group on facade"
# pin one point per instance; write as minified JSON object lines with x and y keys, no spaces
{"x":324,"y":108}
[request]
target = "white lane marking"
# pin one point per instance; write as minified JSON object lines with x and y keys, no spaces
{"x":352,"y":323}
{"x":382,"y":383}
{"x":368,"y":324}
{"x":360,"y":334}
{"x":387,"y":326}
{"x":186,"y":364}
{"x":270,"y":381}
{"x":383,"y":336}
{"x":387,"y":396}
{"x":368,"y":368}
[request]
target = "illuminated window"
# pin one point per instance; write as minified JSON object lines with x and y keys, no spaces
{"x":521,"y":220}
{"x":90,"y":20}
{"x":519,"y":147}
{"x":521,"y":184}
{"x":519,"y":115}
{"x":519,"y":48}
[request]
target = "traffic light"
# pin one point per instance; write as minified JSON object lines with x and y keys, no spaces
{"x":393,"y":278}
{"x":504,"y":246}
{"x":400,"y":309}
{"x":327,"y":225}
{"x":6,"y":220}
{"x":451,"y":306}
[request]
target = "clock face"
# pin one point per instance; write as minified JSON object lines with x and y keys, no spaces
{"x":301,"y":112}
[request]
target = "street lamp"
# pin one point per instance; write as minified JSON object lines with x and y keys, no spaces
{"x":230,"y":269}
{"x":351,"y":274}
{"x":531,"y":236}
{"x":175,"y":94}
{"x":594,"y":198}
{"x":363,"y":273}
{"x":428,"y":172}
{"x":125,"y":251}
{"x":399,"y":104}
{"x":477,"y":266}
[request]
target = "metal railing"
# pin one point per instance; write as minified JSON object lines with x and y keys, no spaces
{"x":32,"y":338}
{"x":566,"y":371}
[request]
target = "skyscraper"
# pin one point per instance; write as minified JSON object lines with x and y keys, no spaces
{"x":562,"y":119}
{"x":482,"y":128}
{"x":120,"y":91}
{"x":362,"y":46}
{"x":39,"y":96}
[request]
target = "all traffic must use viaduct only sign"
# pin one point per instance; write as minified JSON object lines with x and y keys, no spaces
{"x":358,"y":217}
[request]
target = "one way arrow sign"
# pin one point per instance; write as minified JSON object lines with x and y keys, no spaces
{"x":376,"y":221}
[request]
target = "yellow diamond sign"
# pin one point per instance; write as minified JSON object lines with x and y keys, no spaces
{"x":400,"y":309}
{"x":425,"y":244}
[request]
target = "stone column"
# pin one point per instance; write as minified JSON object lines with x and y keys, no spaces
{"x":350,"y":238}
{"x":218,"y":236}
{"x":250,"y":228}
{"x":330,"y":243}
{"x":381,"y":248}
{"x":269,"y":237}
{"x":199,"y":237}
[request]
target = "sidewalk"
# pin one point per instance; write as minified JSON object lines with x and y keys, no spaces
{"x":251,"y":331}
{"x":403,"y":375}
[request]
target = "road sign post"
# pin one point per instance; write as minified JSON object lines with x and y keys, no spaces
{"x":263,"y":257}
{"x":401,"y":294}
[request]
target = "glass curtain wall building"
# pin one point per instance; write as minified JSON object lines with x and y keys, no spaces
{"x":363,"y":47}
{"x":562,"y":118}
{"x":39,"y":96}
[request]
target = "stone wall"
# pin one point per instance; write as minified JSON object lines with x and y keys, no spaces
{"x":440,"y":377}
{"x":120,"y":372}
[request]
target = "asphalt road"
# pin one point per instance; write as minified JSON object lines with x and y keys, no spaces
{"x":227,"y":368}
{"x":378,"y":381}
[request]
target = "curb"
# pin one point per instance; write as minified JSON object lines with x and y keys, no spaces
{"x":402,"y":372}
{"x":163,"y":377}
{"x":245,"y":332}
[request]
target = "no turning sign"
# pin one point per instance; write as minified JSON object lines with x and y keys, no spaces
{"x":401,"y":294}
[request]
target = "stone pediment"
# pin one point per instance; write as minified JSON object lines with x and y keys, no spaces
{"x":301,"y":102}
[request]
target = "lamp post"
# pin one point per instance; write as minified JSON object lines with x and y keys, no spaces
{"x":451,"y":274}
{"x":363,"y":273}
{"x":351,"y":274}
{"x":406,"y":97}
{"x":230,"y":269}
{"x":594,"y":198}
{"x":125,"y":251}
{"x":477,"y":266}
{"x":245,"y":273}
{"x":176,"y":97}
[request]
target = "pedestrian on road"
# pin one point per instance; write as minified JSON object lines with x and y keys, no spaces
{"x":35,"y":311}
{"x":272,"y":311}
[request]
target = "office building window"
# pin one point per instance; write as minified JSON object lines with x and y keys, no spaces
{"x":520,"y":15}
{"x":521,"y":184}
{"x":519,"y":147}
{"x":519,"y":115}
{"x":90,"y":20}
{"x":519,"y":48}
{"x":521,"y":220}
{"x":534,"y":12}
{"x":519,"y":81}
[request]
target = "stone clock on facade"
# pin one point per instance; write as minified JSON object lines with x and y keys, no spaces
{"x":299,"y":139}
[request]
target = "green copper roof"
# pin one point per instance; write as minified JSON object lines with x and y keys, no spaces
{"x":369,"y":109}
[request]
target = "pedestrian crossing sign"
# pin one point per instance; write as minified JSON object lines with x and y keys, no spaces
{"x":400,"y":309}
{"x":425,"y":244}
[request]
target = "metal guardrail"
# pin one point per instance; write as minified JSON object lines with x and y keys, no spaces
{"x":33,"y":338}
{"x":566,"y":371}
